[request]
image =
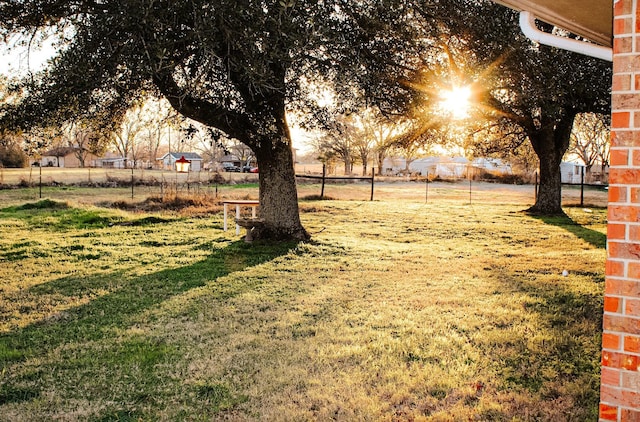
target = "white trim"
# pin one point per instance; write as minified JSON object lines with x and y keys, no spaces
{"x":528,"y":26}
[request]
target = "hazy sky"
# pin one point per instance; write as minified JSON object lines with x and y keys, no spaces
{"x":15,"y":60}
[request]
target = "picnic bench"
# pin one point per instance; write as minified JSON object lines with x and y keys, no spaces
{"x":239,"y":203}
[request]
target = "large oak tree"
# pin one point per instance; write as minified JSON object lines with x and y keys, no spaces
{"x":235,"y":65}
{"x":515,"y":81}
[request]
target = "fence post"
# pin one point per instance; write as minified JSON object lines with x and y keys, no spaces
{"x":373,"y":172}
{"x":426,"y":194}
{"x":132,"y":182}
{"x":581,"y":186}
{"x":324,"y":171}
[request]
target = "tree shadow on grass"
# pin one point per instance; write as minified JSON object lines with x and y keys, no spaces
{"x":560,"y":360}
{"x":553,"y":358}
{"x":107,"y":315}
{"x":593,"y":237}
{"x":59,"y":217}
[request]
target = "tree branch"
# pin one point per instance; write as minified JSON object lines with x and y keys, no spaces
{"x":235,"y":125}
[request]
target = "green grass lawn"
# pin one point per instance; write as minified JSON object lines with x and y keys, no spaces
{"x":396,"y":310}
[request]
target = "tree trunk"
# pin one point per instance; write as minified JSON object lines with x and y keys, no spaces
{"x":264,"y":129}
{"x":549,"y":200}
{"x":81,"y":156}
{"x":278,"y":194}
{"x":550,"y":143}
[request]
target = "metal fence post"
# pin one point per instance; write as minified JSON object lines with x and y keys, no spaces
{"x":373,"y":172}
{"x":426,"y":194}
{"x":324,"y":173}
{"x":581,"y":186}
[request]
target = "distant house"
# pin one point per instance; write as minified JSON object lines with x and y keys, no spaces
{"x":169,"y":160}
{"x":111,"y":161}
{"x":443,"y":167}
{"x":494,"y":166}
{"x":571,"y":172}
{"x":66,"y":157}
{"x":393,"y":165}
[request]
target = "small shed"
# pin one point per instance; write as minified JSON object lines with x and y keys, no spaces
{"x":571,"y":172}
{"x":111,"y":161}
{"x":170,"y":158}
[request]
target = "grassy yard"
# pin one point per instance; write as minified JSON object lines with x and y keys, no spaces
{"x":396,"y":310}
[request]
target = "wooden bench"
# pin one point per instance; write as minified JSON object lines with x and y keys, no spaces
{"x":239,"y":203}
{"x":249,"y":224}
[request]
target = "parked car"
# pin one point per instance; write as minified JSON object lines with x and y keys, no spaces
{"x":253,"y":170}
{"x":230,"y":167}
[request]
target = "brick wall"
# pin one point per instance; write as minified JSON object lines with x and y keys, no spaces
{"x":620,"y":385}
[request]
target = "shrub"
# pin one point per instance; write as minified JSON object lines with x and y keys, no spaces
{"x":12,"y":157}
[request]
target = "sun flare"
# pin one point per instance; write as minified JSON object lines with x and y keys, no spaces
{"x":456,"y":101}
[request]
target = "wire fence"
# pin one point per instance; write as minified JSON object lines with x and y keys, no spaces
{"x":139,"y":184}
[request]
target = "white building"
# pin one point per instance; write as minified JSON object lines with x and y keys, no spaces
{"x":494,"y":166}
{"x":170,"y":158}
{"x":442,"y":167}
{"x":571,"y":172}
{"x":393,"y":165}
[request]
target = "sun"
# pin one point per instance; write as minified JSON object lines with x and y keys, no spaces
{"x":456,"y":102}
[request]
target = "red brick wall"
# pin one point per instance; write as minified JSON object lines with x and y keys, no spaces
{"x":620,"y":387}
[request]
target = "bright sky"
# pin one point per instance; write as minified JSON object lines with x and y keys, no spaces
{"x":16,"y":61}
{"x":300,"y":139}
